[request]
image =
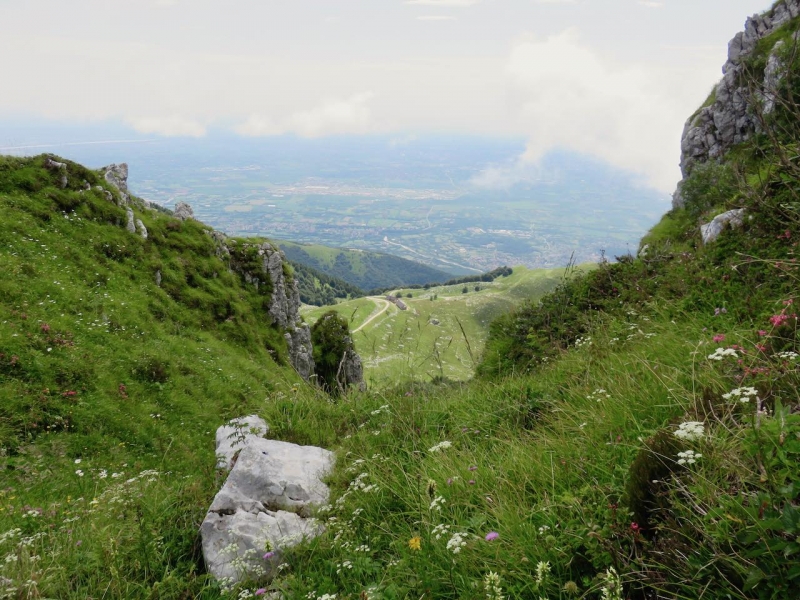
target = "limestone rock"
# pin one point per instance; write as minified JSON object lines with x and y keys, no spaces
{"x":109,"y":196}
{"x":274,"y":475}
{"x":711,"y":231}
{"x":117,"y":175}
{"x":244,"y":536}
{"x":265,"y":502}
{"x":234,"y":435}
{"x":733,"y":116}
{"x":53,"y":165}
{"x":131,"y":225}
{"x":158,"y":278}
{"x":298,"y":339}
{"x":141,"y":228}
{"x":352,"y":371}
{"x":183,"y":211}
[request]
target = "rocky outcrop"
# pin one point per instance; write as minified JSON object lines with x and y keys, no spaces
{"x":117,"y":175}
{"x":298,"y":340}
{"x":141,"y":229}
{"x":265,"y":503}
{"x":183,"y":211}
{"x":53,"y":165}
{"x":711,"y":231}
{"x":131,"y":224}
{"x":737,"y":105}
{"x":352,"y":372}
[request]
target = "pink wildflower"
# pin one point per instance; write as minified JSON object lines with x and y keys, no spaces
{"x":492,"y":535}
{"x":719,"y":337}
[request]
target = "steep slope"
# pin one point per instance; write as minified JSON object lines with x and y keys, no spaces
{"x":366,"y":270}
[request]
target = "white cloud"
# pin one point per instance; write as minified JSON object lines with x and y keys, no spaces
{"x":352,"y":115}
{"x":449,"y":3}
{"x":564,"y":95}
{"x":435,"y":18}
{"x":172,"y":126}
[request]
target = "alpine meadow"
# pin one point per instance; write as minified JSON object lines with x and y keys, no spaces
{"x":190,"y":414}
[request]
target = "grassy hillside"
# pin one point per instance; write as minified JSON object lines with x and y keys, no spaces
{"x":318,"y":289}
{"x":443,"y":331}
{"x":363,"y":269}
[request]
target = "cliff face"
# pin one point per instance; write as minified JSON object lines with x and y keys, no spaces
{"x":742,"y":98}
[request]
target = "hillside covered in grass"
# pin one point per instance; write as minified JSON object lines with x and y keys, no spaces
{"x":635,"y":434}
{"x":436,"y":332}
{"x":361,"y":268}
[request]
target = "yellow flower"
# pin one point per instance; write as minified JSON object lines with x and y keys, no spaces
{"x":415,"y":543}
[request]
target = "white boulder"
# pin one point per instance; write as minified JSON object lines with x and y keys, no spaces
{"x":711,"y":231}
{"x":234,"y":435}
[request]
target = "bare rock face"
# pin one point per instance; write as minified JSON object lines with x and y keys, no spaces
{"x":711,"y":231}
{"x":733,"y":116}
{"x":117,"y":175}
{"x":141,"y":229}
{"x":353,"y":370}
{"x":298,"y":339}
{"x":53,"y":165}
{"x":131,"y":225}
{"x":183,"y":211}
{"x":235,"y":435}
{"x":264,"y":505}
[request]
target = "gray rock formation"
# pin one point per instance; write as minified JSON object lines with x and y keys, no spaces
{"x":234,"y":435}
{"x":298,"y":339}
{"x":53,"y":165}
{"x":352,"y":372}
{"x":131,"y":225}
{"x":735,"y":113}
{"x":284,"y":306}
{"x":117,"y":175}
{"x":109,"y":196}
{"x":711,"y":231}
{"x":264,"y":505}
{"x":158,"y":278}
{"x":141,"y":228}
{"x":183,"y":211}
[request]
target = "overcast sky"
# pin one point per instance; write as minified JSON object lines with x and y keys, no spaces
{"x":612,"y":78}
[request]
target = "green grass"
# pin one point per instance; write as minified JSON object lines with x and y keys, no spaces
{"x":405,"y":345}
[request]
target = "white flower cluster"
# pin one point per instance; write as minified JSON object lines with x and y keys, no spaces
{"x":378,"y":411}
{"x":599,"y":395}
{"x":689,"y":457}
{"x":542,"y":571}
{"x":690,"y":431}
{"x":457,"y":542}
{"x":612,"y":586}
{"x":346,"y":565}
{"x":437,"y":503}
{"x":721,"y":353}
{"x":440,"y":446}
{"x":787,"y":355}
{"x":581,"y":342}
{"x":440,"y":531}
{"x":743,"y":394}
{"x":491,"y":585}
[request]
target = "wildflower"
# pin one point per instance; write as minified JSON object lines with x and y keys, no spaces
{"x":491,"y":585}
{"x":718,"y":338}
{"x":778,"y":320}
{"x":721,"y":353}
{"x":787,"y":355}
{"x":492,"y":535}
{"x":440,"y":446}
{"x":690,"y":431}
{"x":571,"y":588}
{"x":439,"y":531}
{"x":437,"y":503}
{"x":542,"y":571}
{"x":689,"y":457}
{"x":79,"y":473}
{"x":762,"y":333}
{"x":473,"y":468}
{"x":635,"y":528}
{"x":457,"y":542}
{"x":260,"y":592}
{"x":77,"y":461}
{"x":269,"y":555}
{"x":415,"y":543}
{"x":431,"y":488}
{"x":612,"y":585}
{"x":743,"y":394}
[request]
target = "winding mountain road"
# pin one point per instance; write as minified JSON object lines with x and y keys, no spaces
{"x":374,"y":315}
